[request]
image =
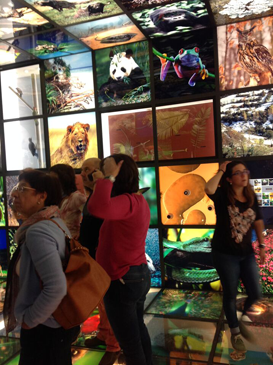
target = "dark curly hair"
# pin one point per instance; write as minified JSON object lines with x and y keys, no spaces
{"x":66,"y":176}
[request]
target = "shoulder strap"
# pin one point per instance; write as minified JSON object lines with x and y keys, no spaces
{"x":52,"y":220}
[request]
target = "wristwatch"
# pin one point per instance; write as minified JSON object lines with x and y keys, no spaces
{"x":111,"y":178}
{"x":261,"y":245}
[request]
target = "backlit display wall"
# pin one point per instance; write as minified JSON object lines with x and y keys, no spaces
{"x":158,"y":80}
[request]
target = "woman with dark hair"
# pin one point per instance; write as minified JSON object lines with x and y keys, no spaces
{"x":237,"y":213}
{"x":36,"y":281}
{"x":73,"y":200}
{"x":121,"y":252}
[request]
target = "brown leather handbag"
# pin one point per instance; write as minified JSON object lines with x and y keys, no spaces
{"x":87,"y":283}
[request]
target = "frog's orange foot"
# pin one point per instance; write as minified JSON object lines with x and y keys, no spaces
{"x":162,"y":59}
{"x":204,"y":74}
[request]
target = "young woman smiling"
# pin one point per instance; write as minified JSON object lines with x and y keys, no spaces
{"x":237,"y":213}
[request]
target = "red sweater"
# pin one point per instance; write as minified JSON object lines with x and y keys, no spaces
{"x":123,"y":232}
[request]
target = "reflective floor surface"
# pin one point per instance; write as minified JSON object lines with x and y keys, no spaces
{"x":186,"y":328}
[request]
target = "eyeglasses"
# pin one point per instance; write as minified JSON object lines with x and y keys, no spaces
{"x":21,"y":188}
{"x":237,"y":173}
{"x":86,"y":170}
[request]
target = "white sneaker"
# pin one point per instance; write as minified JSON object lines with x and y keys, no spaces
{"x":245,"y":318}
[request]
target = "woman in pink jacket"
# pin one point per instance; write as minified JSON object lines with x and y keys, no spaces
{"x":121,"y":252}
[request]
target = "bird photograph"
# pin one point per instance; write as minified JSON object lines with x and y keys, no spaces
{"x":245,"y":54}
{"x":32,"y":148}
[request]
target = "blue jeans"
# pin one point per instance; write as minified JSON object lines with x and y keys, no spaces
{"x":124,"y":304}
{"x":231,"y":268}
{"x":43,"y":345}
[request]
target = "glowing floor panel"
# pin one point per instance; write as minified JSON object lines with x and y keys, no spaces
{"x":182,"y":339}
{"x":257,"y":354}
{"x":187,"y":303}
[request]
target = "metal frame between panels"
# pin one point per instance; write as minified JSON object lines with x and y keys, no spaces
{"x":214,"y":95}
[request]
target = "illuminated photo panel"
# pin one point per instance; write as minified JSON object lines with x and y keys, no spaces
{"x":261,"y":178}
{"x":247,"y":124}
{"x":183,"y":198}
{"x":28,"y":137}
{"x":107,"y":32}
{"x":147,"y":180}
{"x":123,"y":74}
{"x":188,"y":259}
{"x":69,"y":83}
{"x":142,"y":4}
{"x":185,"y":130}
{"x":245,"y":53}
{"x":129,"y":132}
{"x":230,"y":11}
{"x":1,"y":161}
{"x":179,"y":17}
{"x":184,"y":67}
{"x":9,"y":347}
{"x":13,"y":217}
{"x":153,"y":256}
{"x":50,"y":44}
{"x":266,"y":275}
{"x":68,"y":12}
{"x":21,"y":92}
{"x":9,"y":55}
{"x":3,"y":257}
{"x":12,"y":244}
{"x":72,"y":139}
{"x":188,"y":304}
{"x":2,"y":204}
{"x":17,"y":20}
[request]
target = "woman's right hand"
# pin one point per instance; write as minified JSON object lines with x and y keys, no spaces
{"x":223,"y":166}
{"x":111,"y":168}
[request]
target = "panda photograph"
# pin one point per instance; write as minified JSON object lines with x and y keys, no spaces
{"x":123,"y":75}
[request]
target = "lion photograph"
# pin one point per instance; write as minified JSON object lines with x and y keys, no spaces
{"x":72,"y":143}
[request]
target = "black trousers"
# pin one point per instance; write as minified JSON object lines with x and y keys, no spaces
{"x":43,"y":345}
{"x":124,"y":304}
